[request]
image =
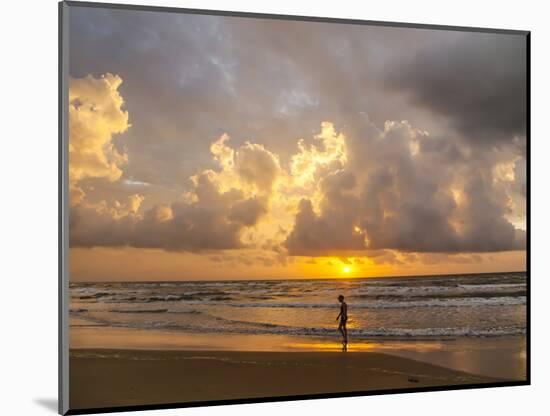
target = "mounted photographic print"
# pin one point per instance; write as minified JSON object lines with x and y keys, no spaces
{"x":263,"y":208}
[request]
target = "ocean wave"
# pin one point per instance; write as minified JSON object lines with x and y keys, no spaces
{"x":383,"y":304}
{"x":191,"y":312}
{"x":94,"y":295}
{"x":379,"y":293}
{"x":139,"y":310}
{"x":361,"y":300}
{"x":442,"y":295}
{"x":440,"y":291}
{"x":369,"y":333}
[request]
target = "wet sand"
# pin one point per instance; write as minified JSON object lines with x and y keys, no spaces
{"x":498,"y":357}
{"x":110,"y":378}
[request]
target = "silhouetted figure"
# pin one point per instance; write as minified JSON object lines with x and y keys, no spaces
{"x":343,"y":317}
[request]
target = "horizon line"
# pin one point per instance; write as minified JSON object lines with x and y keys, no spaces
{"x":298,"y":278}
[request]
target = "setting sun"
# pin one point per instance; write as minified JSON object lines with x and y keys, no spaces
{"x":346,"y":269}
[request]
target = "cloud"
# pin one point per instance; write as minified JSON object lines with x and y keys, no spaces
{"x":441,"y":258}
{"x":327,"y":154}
{"x":213,"y":216}
{"x":247,"y":212}
{"x":427,"y":198}
{"x":251,"y":166}
{"x":478,"y":82}
{"x":96,"y":115}
{"x":197,"y":226}
{"x":257,"y":166}
{"x":452,"y":178}
{"x":313,"y":235}
{"x":430,"y":199}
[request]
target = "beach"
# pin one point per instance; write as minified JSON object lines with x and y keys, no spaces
{"x":111,"y":378}
{"x":111,"y":367}
{"x":192,"y":342}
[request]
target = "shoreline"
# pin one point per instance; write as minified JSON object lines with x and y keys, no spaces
{"x":126,"y":377}
{"x":498,"y":357}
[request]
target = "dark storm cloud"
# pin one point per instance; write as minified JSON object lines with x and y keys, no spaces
{"x":477,"y":81}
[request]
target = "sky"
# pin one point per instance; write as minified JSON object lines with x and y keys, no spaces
{"x":208,"y":147}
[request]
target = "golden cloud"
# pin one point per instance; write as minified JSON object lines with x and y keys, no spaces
{"x":96,"y":115}
{"x":318,"y":204}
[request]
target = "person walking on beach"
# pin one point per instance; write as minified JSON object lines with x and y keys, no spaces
{"x":343,"y":317}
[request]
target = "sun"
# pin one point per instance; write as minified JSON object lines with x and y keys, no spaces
{"x":346,"y":269}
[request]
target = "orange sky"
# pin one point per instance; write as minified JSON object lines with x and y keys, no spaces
{"x":144,"y":265}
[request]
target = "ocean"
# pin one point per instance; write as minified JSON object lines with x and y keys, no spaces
{"x":416,"y":308}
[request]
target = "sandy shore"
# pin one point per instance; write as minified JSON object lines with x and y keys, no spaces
{"x":498,"y":357}
{"x":109,"y":378}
